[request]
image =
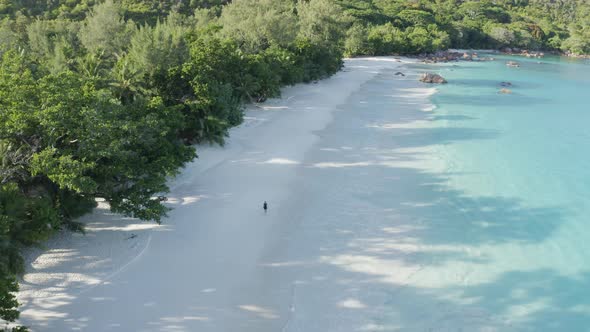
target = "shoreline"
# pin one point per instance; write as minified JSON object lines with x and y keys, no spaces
{"x":454,"y":55}
{"x":272,"y":143}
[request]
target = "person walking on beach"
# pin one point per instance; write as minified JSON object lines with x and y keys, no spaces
{"x":265,"y":206}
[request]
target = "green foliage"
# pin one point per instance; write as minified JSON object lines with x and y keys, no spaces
{"x":322,"y":22}
{"x":50,"y":41}
{"x":356,"y":40}
{"x":152,"y":53}
{"x":93,"y":105}
{"x":317,"y":61}
{"x":502,"y":35}
{"x":578,"y":41}
{"x":104,"y":31}
{"x":258,"y":24}
{"x":483,"y":11}
{"x":430,"y":25}
{"x":414,"y":17}
{"x":212,"y":98}
{"x":102,"y":99}
{"x":365,"y":11}
{"x":283,"y":64}
{"x":8,"y":303}
{"x":14,"y":208}
{"x":9,"y":39}
{"x":386,"y":39}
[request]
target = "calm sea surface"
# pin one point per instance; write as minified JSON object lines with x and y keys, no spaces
{"x":517,"y":170}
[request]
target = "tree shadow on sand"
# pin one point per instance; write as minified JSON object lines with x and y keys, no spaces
{"x":400,"y":249}
{"x":397,"y":227}
{"x":372,"y":240}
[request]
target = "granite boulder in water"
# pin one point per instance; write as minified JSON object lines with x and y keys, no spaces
{"x":432,"y":78}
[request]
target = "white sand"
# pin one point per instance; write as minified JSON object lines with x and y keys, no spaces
{"x":326,"y":257}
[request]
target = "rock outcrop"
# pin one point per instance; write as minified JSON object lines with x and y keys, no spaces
{"x":432,"y":78}
{"x":448,"y":56}
{"x":525,"y":53}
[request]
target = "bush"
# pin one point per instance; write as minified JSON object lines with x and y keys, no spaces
{"x":317,"y":61}
{"x":387,"y":39}
{"x":356,"y":42}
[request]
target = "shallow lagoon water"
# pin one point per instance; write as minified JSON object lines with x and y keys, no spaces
{"x":471,"y":215}
{"x":462,"y":210}
{"x":534,"y":160}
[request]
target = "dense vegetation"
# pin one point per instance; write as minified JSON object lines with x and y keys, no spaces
{"x":105,"y":99}
{"x":422,"y":26}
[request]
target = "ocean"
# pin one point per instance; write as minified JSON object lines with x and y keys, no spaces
{"x":517,"y":173}
{"x":394,"y":205}
{"x":462,"y":209}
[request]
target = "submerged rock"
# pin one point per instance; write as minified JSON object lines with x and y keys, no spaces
{"x":432,"y":78}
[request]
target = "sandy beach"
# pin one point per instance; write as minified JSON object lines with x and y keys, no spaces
{"x":334,"y":252}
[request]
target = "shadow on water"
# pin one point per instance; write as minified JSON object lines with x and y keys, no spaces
{"x":397,"y":225}
{"x":492,"y":99}
{"x":452,"y":118}
{"x":552,"y":302}
{"x":422,"y":224}
{"x":487,"y":83}
{"x":368,"y":228}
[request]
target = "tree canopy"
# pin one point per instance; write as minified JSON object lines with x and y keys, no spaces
{"x":429,"y":25}
{"x":105,"y":99}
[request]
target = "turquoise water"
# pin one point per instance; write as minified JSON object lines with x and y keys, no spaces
{"x":520,"y":166}
{"x":470,"y":217}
